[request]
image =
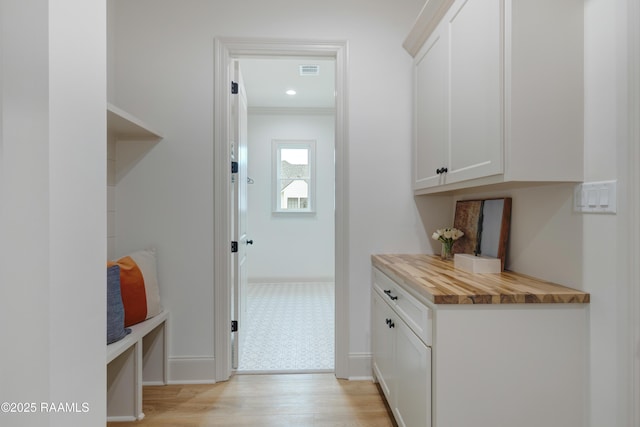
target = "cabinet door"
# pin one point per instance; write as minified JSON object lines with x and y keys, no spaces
{"x":383,"y":340}
{"x":431,"y":111}
{"x":475,"y":98}
{"x":413,"y":374}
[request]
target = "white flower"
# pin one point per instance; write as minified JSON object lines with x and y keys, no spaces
{"x":447,"y":235}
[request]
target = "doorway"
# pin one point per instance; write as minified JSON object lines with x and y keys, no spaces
{"x":288,"y":323}
{"x":226,"y":51}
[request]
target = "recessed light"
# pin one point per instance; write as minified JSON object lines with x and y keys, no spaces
{"x":291,"y":92}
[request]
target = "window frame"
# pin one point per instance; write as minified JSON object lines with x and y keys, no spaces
{"x":277,"y":146}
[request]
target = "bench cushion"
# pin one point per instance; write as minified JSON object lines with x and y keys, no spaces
{"x":115,"y":309}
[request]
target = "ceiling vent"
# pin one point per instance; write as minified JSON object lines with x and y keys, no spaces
{"x":309,"y":70}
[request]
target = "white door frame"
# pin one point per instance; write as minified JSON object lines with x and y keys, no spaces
{"x":225,"y":49}
{"x":633,"y":226}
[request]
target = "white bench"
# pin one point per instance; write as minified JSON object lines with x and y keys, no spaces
{"x":137,"y":359}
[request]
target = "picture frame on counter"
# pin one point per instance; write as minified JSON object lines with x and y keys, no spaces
{"x":486,"y":224}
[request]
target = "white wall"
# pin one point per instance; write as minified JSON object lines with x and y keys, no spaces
{"x":290,"y":247}
{"x":605,"y":236}
{"x":164,"y":75}
{"x":53,"y":209}
{"x":24,"y":207}
{"x":545,"y":238}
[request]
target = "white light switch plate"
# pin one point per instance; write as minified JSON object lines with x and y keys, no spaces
{"x":595,"y":197}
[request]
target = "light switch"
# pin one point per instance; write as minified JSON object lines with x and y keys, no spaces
{"x":581,"y":196}
{"x":604,"y":197}
{"x":595,"y":197}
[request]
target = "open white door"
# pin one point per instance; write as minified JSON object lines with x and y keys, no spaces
{"x":226,"y":49}
{"x":239,"y":207}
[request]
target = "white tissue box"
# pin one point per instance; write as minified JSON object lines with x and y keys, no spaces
{"x":477,"y":264}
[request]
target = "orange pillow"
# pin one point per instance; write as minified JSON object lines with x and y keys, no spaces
{"x":138,"y":286}
{"x":132,"y":290}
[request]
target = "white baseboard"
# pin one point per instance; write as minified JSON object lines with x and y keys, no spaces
{"x":152,"y":383}
{"x":360,"y":366}
{"x":291,"y":280}
{"x":201,"y":370}
{"x":121,"y":419}
{"x":192,"y":370}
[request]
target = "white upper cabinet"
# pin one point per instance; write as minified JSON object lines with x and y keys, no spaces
{"x":498,"y":93}
{"x":431,"y":107}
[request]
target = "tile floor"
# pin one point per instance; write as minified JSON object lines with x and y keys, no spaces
{"x":289,"y":327}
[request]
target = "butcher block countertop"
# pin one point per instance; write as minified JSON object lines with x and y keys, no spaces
{"x":441,"y":283}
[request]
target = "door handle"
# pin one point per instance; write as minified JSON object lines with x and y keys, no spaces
{"x":250,"y":242}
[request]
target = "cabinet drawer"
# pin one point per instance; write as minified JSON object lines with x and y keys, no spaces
{"x":417,"y":316}
{"x":385,"y":286}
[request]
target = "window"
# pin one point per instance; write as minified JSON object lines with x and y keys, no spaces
{"x":294,"y":176}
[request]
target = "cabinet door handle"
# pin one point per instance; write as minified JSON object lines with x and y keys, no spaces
{"x":442,"y":170}
{"x":388,"y":292}
{"x":390,"y":323}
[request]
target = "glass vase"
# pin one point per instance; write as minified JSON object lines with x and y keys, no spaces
{"x":447,"y":251}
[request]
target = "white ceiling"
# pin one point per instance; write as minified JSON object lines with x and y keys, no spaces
{"x":267,"y":80}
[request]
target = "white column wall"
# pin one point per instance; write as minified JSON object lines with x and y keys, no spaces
{"x":24,"y":209}
{"x":52,"y":210}
{"x":606,"y":263}
{"x":77,"y":208}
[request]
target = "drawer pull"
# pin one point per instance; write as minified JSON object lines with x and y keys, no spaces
{"x":393,"y":297}
{"x":390,"y":323}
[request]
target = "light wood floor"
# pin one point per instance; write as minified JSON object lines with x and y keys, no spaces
{"x":301,"y":400}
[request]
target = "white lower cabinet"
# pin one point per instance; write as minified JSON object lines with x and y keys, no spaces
{"x":401,"y":360}
{"x":384,"y":345}
{"x":413,"y":377}
{"x":478,"y":365}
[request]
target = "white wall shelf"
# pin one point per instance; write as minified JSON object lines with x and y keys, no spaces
{"x":132,"y":137}
{"x":129,"y":140}
{"x":128,"y":127}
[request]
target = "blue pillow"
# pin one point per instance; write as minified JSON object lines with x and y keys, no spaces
{"x":115,"y":310}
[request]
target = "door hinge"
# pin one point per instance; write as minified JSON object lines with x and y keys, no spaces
{"x":234,"y":246}
{"x":234,"y":167}
{"x":234,"y":326}
{"x":234,"y":88}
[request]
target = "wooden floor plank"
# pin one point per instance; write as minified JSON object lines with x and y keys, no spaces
{"x":314,"y":400}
